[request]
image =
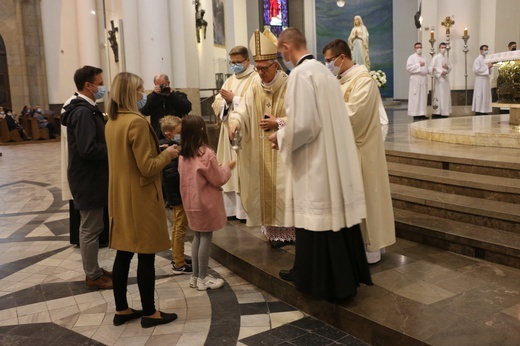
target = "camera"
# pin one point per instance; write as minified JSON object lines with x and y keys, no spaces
{"x":165,"y":89}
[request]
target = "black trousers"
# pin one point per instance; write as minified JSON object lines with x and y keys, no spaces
{"x":145,"y":280}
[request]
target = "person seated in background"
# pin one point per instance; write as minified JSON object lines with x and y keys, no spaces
{"x":12,"y":124}
{"x":27,"y":111}
{"x":44,"y":123}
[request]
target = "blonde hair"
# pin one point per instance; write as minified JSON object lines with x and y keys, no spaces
{"x":169,"y":122}
{"x":123,"y":94}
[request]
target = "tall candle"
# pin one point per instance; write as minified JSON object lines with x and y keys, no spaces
{"x":465,"y":31}
{"x":431,"y":35}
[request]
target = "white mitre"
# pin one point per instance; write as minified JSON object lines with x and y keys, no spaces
{"x":263,"y":46}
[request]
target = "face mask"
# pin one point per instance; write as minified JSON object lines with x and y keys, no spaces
{"x":237,"y":68}
{"x":288,"y":64}
{"x":8,"y":113}
{"x":443,"y":50}
{"x":418,"y":51}
{"x":142,"y":102}
{"x":39,"y":110}
{"x":2,"y":113}
{"x":333,"y":68}
{"x":177,"y":138}
{"x":100,"y":92}
{"x":513,"y":48}
{"x":485,"y":52}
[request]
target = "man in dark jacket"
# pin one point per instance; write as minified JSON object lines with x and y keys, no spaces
{"x":87,"y":170}
{"x":164,"y":101}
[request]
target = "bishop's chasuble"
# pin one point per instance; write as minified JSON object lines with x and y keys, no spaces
{"x":261,"y":170}
{"x":362,"y":99}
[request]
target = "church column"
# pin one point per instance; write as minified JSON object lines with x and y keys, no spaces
{"x":87,"y":24}
{"x":182,"y":30}
{"x":154,"y":39}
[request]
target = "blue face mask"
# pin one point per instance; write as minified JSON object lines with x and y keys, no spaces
{"x":142,"y":102}
{"x":100,"y":92}
{"x":237,"y":68}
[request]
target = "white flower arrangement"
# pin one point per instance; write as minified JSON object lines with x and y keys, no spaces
{"x":379,"y":77}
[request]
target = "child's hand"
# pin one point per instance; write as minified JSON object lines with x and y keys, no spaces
{"x":231,"y":164}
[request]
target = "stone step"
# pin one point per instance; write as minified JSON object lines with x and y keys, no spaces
{"x":471,"y":240}
{"x":460,"y":183}
{"x":476,"y":211}
{"x":456,"y":164}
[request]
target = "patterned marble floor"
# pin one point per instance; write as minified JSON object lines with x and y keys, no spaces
{"x":44,"y":299}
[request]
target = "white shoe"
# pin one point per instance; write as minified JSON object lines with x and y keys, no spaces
{"x":209,"y":282}
{"x":193,"y":281}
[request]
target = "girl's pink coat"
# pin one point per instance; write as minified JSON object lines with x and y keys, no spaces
{"x":201,"y":190}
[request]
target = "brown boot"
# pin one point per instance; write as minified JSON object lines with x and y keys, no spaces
{"x":103,"y":282}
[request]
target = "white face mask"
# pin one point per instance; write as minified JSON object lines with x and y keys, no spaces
{"x":443,"y":50}
{"x":288,"y":64}
{"x":418,"y":51}
{"x":333,"y":68}
{"x":485,"y":52}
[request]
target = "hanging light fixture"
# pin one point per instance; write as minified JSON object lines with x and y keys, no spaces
{"x":340,"y":3}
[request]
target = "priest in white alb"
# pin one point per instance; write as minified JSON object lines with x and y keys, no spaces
{"x":261,"y":170}
{"x":440,"y":68}
{"x":418,"y":86}
{"x":226,"y":101}
{"x":325,"y":198}
{"x":482,"y":93}
{"x":362,"y":98}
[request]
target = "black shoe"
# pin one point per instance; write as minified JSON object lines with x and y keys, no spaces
{"x":276,"y":244}
{"x":419,"y":117}
{"x":122,"y":319}
{"x":286,"y":274}
{"x":148,"y":322}
{"x":187,"y":259}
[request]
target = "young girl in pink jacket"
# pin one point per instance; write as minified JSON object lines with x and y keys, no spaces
{"x":201,"y":190}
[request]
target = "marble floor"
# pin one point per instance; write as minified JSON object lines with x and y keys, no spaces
{"x":44,"y":299}
{"x":436,"y":296}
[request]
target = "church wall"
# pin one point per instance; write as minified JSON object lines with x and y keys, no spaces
{"x":405,"y":36}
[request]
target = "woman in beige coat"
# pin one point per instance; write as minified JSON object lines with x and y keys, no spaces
{"x":135,"y":201}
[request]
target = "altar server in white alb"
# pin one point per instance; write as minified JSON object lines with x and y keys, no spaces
{"x":226,"y":101}
{"x":440,"y":68}
{"x":482,"y":92}
{"x":362,"y":99}
{"x":418,"y":87}
{"x":325,"y":199}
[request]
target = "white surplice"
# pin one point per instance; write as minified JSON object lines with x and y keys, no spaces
{"x":418,"y":86}
{"x":324,"y":187}
{"x":482,"y":92}
{"x":440,"y":68}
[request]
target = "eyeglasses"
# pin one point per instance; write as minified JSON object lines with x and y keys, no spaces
{"x":263,"y":69}
{"x":331,"y":59}
{"x":236,"y":62}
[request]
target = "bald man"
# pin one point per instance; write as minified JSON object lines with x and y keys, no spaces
{"x":164,"y":100}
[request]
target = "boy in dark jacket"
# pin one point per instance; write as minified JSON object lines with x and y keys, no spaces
{"x":171,"y":129}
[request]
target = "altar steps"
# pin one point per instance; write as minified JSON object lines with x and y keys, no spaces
{"x":465,"y":206}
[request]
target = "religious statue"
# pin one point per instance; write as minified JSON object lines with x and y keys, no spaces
{"x":358,"y":43}
{"x":200,"y":22}
{"x":113,"y":41}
